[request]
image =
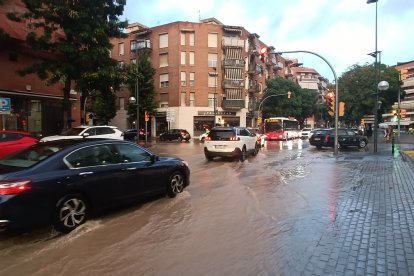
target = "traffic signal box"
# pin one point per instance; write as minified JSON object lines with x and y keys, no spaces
{"x":341,"y":109}
{"x":330,"y":98}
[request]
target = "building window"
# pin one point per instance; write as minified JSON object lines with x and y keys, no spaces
{"x":182,"y":58}
{"x":212,"y":60}
{"x":182,"y":36}
{"x":163,"y":40}
{"x":212,"y":40}
{"x":183,"y":98}
{"x":133,"y":45}
{"x":211,"y":100}
{"x":183,"y":79}
{"x":163,"y":60}
{"x":192,"y":99}
{"x":192,"y":78}
{"x":212,"y":79}
{"x":121,"y":49}
{"x":192,"y":39}
{"x":164,"y":80}
{"x":192,"y":55}
{"x":164,"y":100}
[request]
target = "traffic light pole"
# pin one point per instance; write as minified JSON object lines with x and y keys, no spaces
{"x":336,"y":90}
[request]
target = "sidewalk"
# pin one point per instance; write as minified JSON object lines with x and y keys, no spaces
{"x":373,"y":229}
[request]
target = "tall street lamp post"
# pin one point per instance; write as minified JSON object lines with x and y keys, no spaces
{"x":336,"y":91}
{"x":274,"y":95}
{"x":376,"y":74}
{"x":136,"y":99}
{"x":214,"y":98}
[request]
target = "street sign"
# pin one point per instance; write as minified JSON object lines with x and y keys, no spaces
{"x":170,"y":115}
{"x":5,"y":105}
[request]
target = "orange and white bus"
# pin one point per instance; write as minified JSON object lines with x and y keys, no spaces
{"x":281,"y":128}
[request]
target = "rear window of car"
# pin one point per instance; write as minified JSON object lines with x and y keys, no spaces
{"x":30,"y":156}
{"x":6,"y":137}
{"x":222,"y":134}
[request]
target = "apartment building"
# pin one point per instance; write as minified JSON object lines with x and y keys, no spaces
{"x":406,"y":105}
{"x":207,"y":74}
{"x":32,"y":105}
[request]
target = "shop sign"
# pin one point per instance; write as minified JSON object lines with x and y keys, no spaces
{"x":5,"y":105}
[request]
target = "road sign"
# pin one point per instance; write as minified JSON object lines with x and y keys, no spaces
{"x":170,"y":115}
{"x":5,"y":105}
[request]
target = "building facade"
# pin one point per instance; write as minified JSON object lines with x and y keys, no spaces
{"x":207,"y":74}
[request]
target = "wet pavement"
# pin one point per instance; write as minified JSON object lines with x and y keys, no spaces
{"x":291,"y":210}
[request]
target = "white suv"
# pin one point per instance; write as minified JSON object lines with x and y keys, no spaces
{"x":107,"y":132}
{"x":235,"y":142}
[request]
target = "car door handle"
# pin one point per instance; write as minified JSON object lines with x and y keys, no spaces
{"x":85,"y":173}
{"x":131,"y":169}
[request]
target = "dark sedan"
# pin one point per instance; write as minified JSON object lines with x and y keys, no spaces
{"x":325,"y":137}
{"x":131,"y":134}
{"x":64,"y":182}
{"x":175,"y":134}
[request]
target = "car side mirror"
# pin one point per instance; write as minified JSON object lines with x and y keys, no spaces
{"x":85,"y":135}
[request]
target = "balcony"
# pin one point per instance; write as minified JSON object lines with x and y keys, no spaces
{"x":233,"y":63}
{"x":233,"y":83}
{"x":233,"y":104}
{"x":232,"y":42}
{"x":141,"y":44}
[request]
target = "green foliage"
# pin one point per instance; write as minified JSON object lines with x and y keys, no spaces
{"x":301,"y":104}
{"x":78,"y":35}
{"x":146,"y":90}
{"x":104,"y":106}
{"x":357,"y":87}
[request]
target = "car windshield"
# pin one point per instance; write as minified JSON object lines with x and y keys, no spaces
{"x":30,"y":156}
{"x":72,"y":131}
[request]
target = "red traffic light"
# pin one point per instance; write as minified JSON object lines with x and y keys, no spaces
{"x":263,"y":50}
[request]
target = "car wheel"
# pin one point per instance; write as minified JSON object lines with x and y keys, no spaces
{"x":175,"y":184}
{"x":208,"y":157}
{"x":362,"y":144}
{"x":162,"y":138}
{"x":202,"y":140}
{"x":70,"y":212}
{"x":256,"y":150}
{"x":242,"y":156}
{"x":180,"y":139}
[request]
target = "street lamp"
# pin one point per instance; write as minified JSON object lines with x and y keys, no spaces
{"x":275,"y":95}
{"x":214,"y":98}
{"x":135,"y":100}
{"x":336,"y":91}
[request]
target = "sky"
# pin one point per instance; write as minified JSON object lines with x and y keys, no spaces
{"x":342,"y":32}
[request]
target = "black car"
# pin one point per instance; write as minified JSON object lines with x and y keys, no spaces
{"x":64,"y":182}
{"x":175,"y":134}
{"x":325,"y":137}
{"x":131,"y":134}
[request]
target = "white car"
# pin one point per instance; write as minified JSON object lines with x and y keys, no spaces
{"x":234,"y":142}
{"x":305,"y":132}
{"x":108,"y":132}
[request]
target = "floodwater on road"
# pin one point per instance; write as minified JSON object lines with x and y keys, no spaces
{"x":257,"y":217}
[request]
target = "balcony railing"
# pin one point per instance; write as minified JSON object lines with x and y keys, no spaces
{"x":233,"y":83}
{"x":233,"y":104}
{"x":232,"y":42}
{"x":141,"y":44}
{"x":233,"y":62}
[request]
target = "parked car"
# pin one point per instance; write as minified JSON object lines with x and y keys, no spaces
{"x":13,"y":140}
{"x":234,"y":142}
{"x":346,"y":138}
{"x":175,"y":134}
{"x":64,"y":182}
{"x":131,"y":134}
{"x":305,"y":132}
{"x":107,"y":132}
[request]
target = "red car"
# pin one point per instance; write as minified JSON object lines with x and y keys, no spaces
{"x":12,"y":141}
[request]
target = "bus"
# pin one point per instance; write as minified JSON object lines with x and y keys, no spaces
{"x":281,"y":128}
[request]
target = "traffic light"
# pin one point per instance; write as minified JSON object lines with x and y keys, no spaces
{"x":341,"y":108}
{"x":263,"y":53}
{"x":330,"y":99}
{"x":147,"y":116}
{"x":394,"y":113}
{"x":289,"y":93}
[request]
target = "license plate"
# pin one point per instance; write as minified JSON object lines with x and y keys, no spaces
{"x":220,"y":146}
{"x":317,"y":139}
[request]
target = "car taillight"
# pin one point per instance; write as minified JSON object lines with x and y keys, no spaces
{"x":234,"y":138}
{"x":327,"y":137}
{"x":208,"y":138}
{"x":14,"y":187}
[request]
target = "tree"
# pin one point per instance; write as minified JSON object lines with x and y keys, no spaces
{"x":146,"y":91}
{"x":301,"y":104}
{"x":357,"y":87}
{"x":77,"y":34}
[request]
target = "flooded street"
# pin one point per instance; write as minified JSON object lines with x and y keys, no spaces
{"x":259,"y":217}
